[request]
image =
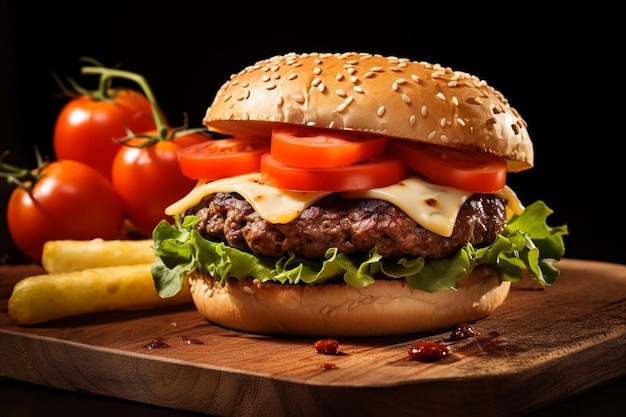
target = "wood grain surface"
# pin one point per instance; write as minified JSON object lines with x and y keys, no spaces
{"x":540,"y":347}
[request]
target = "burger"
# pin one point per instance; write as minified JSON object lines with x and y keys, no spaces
{"x":354,"y":194}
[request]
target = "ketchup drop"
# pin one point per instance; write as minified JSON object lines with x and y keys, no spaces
{"x":462,"y":331}
{"x":327,"y":346}
{"x":428,"y":351}
{"x":157,"y":343}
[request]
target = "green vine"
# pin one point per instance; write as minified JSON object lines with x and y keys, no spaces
{"x":163,"y":130}
{"x":22,"y":177}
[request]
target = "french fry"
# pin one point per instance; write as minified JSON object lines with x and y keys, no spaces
{"x":46,"y":297}
{"x":75,"y":255}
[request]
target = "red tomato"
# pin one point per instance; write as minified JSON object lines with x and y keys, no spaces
{"x":148,"y":179}
{"x":86,"y":127}
{"x":221,"y":158}
{"x":69,"y":201}
{"x":317,"y":148}
{"x":374,"y":173}
{"x":466,"y":170}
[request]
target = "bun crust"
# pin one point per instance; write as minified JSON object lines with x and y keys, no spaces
{"x":392,"y":96}
{"x":387,"y":307}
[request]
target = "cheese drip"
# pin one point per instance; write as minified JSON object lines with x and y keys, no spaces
{"x":433,"y":206}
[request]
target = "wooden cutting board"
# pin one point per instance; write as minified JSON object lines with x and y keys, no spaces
{"x":542,"y":346}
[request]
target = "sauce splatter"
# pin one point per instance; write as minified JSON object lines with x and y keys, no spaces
{"x":462,"y":332}
{"x":191,"y":341}
{"x":157,"y":343}
{"x":327,"y":346}
{"x":428,"y":351}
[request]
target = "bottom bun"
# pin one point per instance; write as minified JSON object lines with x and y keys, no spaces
{"x":387,"y":307}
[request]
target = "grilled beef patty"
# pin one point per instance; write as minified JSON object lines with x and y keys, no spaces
{"x":354,"y":226}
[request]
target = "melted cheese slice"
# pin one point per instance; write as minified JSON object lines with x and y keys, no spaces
{"x":272,"y":204}
{"x":433,"y":206}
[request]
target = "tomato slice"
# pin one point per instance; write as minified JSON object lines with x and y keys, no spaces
{"x":466,"y":170}
{"x":318,"y":148}
{"x":374,"y":173}
{"x":221,"y":158}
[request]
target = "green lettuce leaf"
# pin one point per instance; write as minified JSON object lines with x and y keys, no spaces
{"x":526,"y":244}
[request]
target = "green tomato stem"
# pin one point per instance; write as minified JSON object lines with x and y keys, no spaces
{"x":106,"y":74}
{"x":22,"y":177}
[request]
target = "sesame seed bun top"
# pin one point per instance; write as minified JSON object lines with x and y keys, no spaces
{"x":393,"y":96}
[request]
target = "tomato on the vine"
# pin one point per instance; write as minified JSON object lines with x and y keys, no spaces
{"x":87,"y":126}
{"x":318,"y":148}
{"x":221,"y":158}
{"x":148,"y":178}
{"x":466,"y":170}
{"x":61,"y":200}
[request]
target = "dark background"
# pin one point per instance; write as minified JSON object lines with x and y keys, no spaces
{"x":555,"y":67}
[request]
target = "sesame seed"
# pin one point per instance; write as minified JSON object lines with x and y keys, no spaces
{"x":341,"y":93}
{"x":292,"y":76}
{"x":265,"y":78}
{"x":452,"y":83}
{"x":381,"y":111}
{"x":443,"y":138}
{"x":351,"y":70}
{"x":321,"y":87}
{"x":455,"y":101}
{"x":415,"y":78}
{"x":406,"y":98}
{"x":317,"y":70}
{"x":298,"y":98}
{"x":353,"y":79}
{"x":346,"y":103}
{"x":442,"y":122}
{"x":358,"y":89}
{"x":228,"y":97}
{"x":424,"y":111}
{"x":412,"y":120}
{"x":270,"y":86}
{"x":339,"y":77}
{"x":310,"y":123}
{"x":400,"y":81}
{"x":431,"y":135}
{"x":316,"y":82}
{"x":376,"y":69}
{"x":460,"y":121}
{"x":394,"y":87}
{"x":369,"y":74}
{"x":440,"y":96}
{"x":235,"y":82}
